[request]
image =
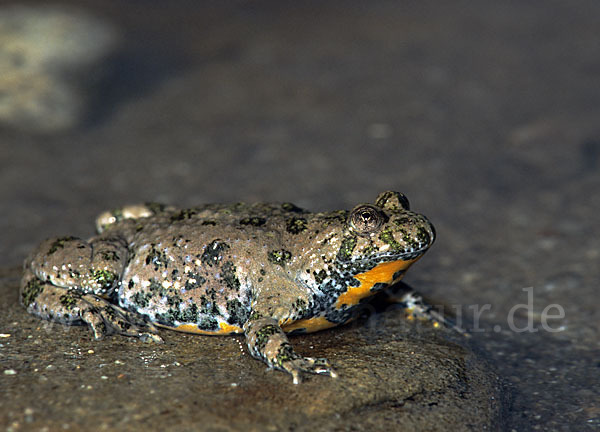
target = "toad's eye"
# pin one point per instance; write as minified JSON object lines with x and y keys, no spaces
{"x":365,"y":219}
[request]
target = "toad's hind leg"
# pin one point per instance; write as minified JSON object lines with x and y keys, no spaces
{"x":71,"y":281}
{"x":72,"y":307}
{"x":93,"y":266}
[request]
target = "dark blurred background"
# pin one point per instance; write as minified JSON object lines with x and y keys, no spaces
{"x":485,"y":114}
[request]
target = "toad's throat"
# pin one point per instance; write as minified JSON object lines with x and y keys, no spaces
{"x":385,"y":273}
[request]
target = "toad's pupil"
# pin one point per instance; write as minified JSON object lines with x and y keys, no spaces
{"x":367,"y":217}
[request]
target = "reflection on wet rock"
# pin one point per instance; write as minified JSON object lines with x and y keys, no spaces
{"x":48,"y":55}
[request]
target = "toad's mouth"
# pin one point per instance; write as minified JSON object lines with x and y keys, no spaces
{"x":407,"y":254}
{"x":422,"y":240}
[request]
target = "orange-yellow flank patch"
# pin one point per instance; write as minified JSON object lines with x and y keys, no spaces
{"x":224,"y":328}
{"x":381,"y":273}
{"x":309,"y":324}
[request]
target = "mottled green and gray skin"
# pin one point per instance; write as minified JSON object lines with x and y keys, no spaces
{"x":260,"y":269}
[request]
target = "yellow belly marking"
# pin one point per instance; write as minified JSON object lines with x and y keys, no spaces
{"x":381,"y":273}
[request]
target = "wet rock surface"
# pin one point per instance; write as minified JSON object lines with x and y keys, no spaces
{"x":392,"y":375}
{"x":484,"y":114}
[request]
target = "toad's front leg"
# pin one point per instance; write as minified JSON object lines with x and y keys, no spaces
{"x":268,"y":342}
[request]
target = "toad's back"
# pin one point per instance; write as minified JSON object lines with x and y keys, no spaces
{"x":193,"y":269}
{"x":204,"y":289}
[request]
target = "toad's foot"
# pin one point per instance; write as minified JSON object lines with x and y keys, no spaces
{"x":416,"y":307}
{"x":70,"y":307}
{"x":298,"y":365}
{"x":105,"y":318}
{"x":268,"y":342}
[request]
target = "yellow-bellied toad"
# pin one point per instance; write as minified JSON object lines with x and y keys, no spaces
{"x":259,"y":269}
